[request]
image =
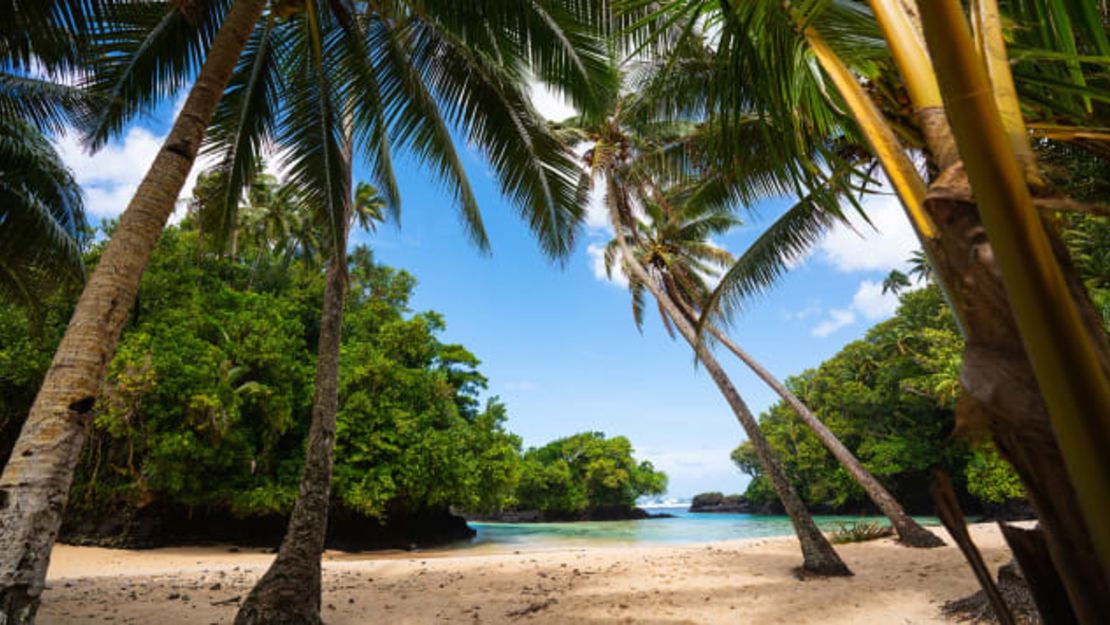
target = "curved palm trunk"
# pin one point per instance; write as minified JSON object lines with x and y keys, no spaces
{"x":36,"y":480}
{"x":290,"y":591}
{"x":909,"y":532}
{"x":818,"y":555}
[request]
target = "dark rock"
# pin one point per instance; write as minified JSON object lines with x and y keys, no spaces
{"x":717,"y":502}
{"x":159,"y":525}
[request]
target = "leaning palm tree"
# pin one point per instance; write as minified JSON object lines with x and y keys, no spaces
{"x":411,"y":69}
{"x":672,"y":242}
{"x":776,"y":61}
{"x":623,"y":162}
{"x":36,"y":479}
{"x":315,"y":87}
{"x":818,"y":555}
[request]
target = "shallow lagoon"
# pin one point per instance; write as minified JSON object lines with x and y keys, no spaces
{"x":684,"y":528}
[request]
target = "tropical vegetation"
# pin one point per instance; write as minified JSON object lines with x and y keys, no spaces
{"x":989,"y":122}
{"x":891,"y":398}
{"x":585,"y":473}
{"x":208,"y":401}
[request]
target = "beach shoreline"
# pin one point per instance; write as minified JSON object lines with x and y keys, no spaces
{"x":750,"y":580}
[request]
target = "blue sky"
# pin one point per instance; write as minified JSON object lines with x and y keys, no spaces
{"x":558,"y":343}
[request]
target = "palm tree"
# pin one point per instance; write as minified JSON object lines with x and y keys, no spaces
{"x":37,"y":477}
{"x":920,"y":268}
{"x":623,"y":161}
{"x":673,"y":244}
{"x":818,"y":555}
{"x":895,"y":282}
{"x":318,"y":85}
{"x":42,"y":219}
{"x":799,"y":50}
{"x":421,"y":56}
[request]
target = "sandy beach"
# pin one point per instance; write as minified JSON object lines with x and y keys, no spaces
{"x":749,"y":581}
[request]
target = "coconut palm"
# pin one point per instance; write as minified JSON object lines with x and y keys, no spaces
{"x":626,"y":163}
{"x":895,"y":282}
{"x":42,"y":220}
{"x":319,"y":85}
{"x":673,"y":243}
{"x":777,"y":61}
{"x":429,"y":68}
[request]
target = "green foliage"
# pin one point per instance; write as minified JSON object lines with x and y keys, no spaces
{"x":990,"y":478}
{"x":584,"y":472}
{"x":208,"y":399}
{"x":890,"y":399}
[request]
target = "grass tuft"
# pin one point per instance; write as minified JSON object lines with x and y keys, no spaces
{"x":860,"y":531}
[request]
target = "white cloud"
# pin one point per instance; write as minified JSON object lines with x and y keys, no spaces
{"x":523,"y":386}
{"x":884,"y":244}
{"x":597,"y":264}
{"x":597,"y":213}
{"x":549,"y":104}
{"x":110,"y":177}
{"x":870,"y":301}
{"x":838,"y":318}
{"x":691,"y":463}
{"x":812,"y":310}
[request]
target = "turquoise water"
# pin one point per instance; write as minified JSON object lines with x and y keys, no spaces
{"x":684,"y":528}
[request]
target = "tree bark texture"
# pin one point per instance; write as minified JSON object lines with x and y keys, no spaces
{"x":910,"y":533}
{"x":36,"y":480}
{"x":1001,"y":395}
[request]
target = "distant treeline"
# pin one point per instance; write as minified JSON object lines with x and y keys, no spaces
{"x":207,"y":404}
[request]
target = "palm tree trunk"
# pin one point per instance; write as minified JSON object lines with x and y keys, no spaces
{"x":290,"y":591}
{"x":818,"y":555}
{"x":1001,"y":393}
{"x":909,"y":532}
{"x":36,"y":480}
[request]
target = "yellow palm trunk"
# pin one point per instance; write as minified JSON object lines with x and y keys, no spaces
{"x":909,"y":53}
{"x":907,"y":182}
{"x":1071,"y":378}
{"x":992,"y":49}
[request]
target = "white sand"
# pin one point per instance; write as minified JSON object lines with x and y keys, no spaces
{"x":749,"y":581}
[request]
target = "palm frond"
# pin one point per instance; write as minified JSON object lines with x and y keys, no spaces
{"x":146,"y":52}
{"x":784,"y":243}
{"x":486,"y":100}
{"x":246,"y":116}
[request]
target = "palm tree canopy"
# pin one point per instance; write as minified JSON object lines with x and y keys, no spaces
{"x":673,"y":242}
{"x":746,"y":69}
{"x":402,"y":74}
{"x":42,"y":217}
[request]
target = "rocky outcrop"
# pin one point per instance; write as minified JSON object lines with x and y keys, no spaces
{"x":162,"y":526}
{"x":717,"y":502}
